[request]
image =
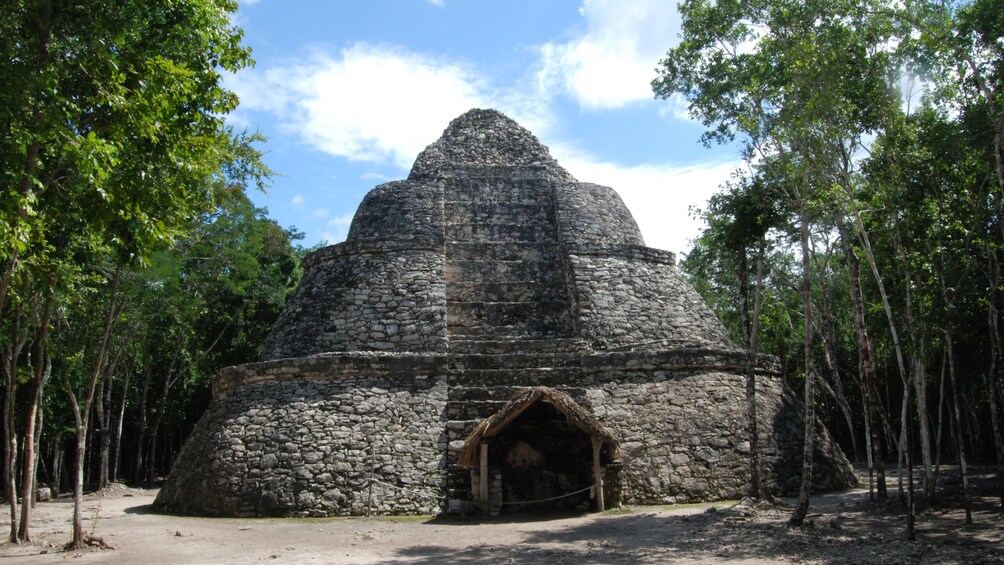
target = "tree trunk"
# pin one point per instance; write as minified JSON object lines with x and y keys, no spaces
{"x":57,"y":467}
{"x":920,"y":390}
{"x":80,"y":418}
{"x":118,"y":423}
{"x":866,"y":366}
{"x":138,"y":458}
{"x":42,"y":370}
{"x":172,"y":376}
{"x":996,"y":366}
{"x":11,"y":354}
{"x":995,"y":425}
{"x":911,"y":531}
{"x":82,"y":414}
{"x":959,"y":440}
{"x":829,"y":342}
{"x":756,"y":479}
{"x":103,"y":411}
{"x":805,"y":490}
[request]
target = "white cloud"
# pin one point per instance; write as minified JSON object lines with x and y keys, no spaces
{"x":297,"y":200}
{"x":658,"y":195}
{"x":379,"y":177}
{"x":341,"y":226}
{"x":319,"y":213}
{"x":612,"y":63}
{"x":372,"y":103}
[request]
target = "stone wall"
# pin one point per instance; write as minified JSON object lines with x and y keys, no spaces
{"x":679,"y":415}
{"x":298,"y":437}
{"x":634,"y":296}
{"x":367,"y":295}
{"x":684,"y":435}
{"x":591,"y":213}
{"x":308,"y":444}
{"x":400,"y":210}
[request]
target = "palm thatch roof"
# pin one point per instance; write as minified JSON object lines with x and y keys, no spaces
{"x":575,"y":414}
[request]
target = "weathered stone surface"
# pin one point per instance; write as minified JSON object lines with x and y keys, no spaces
{"x":490,"y":269}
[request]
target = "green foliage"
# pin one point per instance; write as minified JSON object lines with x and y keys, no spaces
{"x":810,"y":90}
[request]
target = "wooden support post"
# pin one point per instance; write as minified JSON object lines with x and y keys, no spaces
{"x":598,"y":474}
{"x":484,"y":475}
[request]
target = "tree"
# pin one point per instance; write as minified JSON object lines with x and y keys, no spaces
{"x":114,"y":120}
{"x":799,"y":81}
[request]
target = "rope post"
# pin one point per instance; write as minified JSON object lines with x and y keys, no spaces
{"x":484,"y":476}
{"x":598,"y":474}
{"x":369,"y":494}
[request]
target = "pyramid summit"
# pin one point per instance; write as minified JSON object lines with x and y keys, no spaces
{"x":493,"y":336}
{"x":488,"y":138}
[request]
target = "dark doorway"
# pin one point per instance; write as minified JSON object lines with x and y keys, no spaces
{"x":544,"y":460}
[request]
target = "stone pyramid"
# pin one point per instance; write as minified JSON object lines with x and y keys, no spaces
{"x":488,"y":272}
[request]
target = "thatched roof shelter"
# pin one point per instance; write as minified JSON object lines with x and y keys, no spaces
{"x":575,"y":414}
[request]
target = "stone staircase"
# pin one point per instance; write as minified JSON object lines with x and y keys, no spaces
{"x":503,"y":277}
{"x":508,"y":319}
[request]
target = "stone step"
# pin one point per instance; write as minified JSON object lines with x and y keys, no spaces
{"x":475,"y":403}
{"x":529,"y":376}
{"x":542,"y":315}
{"x":499,"y":332}
{"x":473,"y":410}
{"x":514,"y":291}
{"x":512,"y":361}
{"x":502,"y":271}
{"x":495,"y":347}
{"x":501,"y":232}
{"x":481,"y":211}
{"x":500,"y":251}
{"x":459,"y":429}
{"x":491,"y":190}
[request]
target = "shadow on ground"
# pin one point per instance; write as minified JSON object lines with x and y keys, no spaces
{"x":845,"y":528}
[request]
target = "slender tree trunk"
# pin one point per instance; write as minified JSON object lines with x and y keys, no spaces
{"x":911,"y":531}
{"x":103,"y":411}
{"x":941,"y":416}
{"x":756,"y":479}
{"x":920,"y":390}
{"x":80,"y":450}
{"x":57,"y":467}
{"x":996,"y":366}
{"x":959,"y":440}
{"x":897,"y":347}
{"x":138,"y":458}
{"x":756,"y":483}
{"x":118,"y":422}
{"x":173,"y":373}
{"x":829,"y":342}
{"x":917,"y":375}
{"x":82,"y":414}
{"x":804,"y":492}
{"x":995,"y":425}
{"x":866,"y":364}
{"x":11,"y":353}
{"x":38,"y":460}
{"x":40,"y":375}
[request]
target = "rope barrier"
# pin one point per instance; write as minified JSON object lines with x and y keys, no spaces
{"x":589,"y":488}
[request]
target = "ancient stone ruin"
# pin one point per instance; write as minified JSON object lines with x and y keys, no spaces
{"x":494,"y":336}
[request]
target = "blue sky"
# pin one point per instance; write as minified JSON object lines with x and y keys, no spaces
{"x":349,"y":92}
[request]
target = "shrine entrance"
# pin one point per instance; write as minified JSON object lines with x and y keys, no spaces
{"x":541,"y":452}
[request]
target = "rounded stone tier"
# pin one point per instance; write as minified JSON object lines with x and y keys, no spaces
{"x":490,"y":239}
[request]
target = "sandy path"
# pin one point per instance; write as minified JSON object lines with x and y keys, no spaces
{"x":845,"y":532}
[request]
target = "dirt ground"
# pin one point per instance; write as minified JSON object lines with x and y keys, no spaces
{"x":846,"y":529}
